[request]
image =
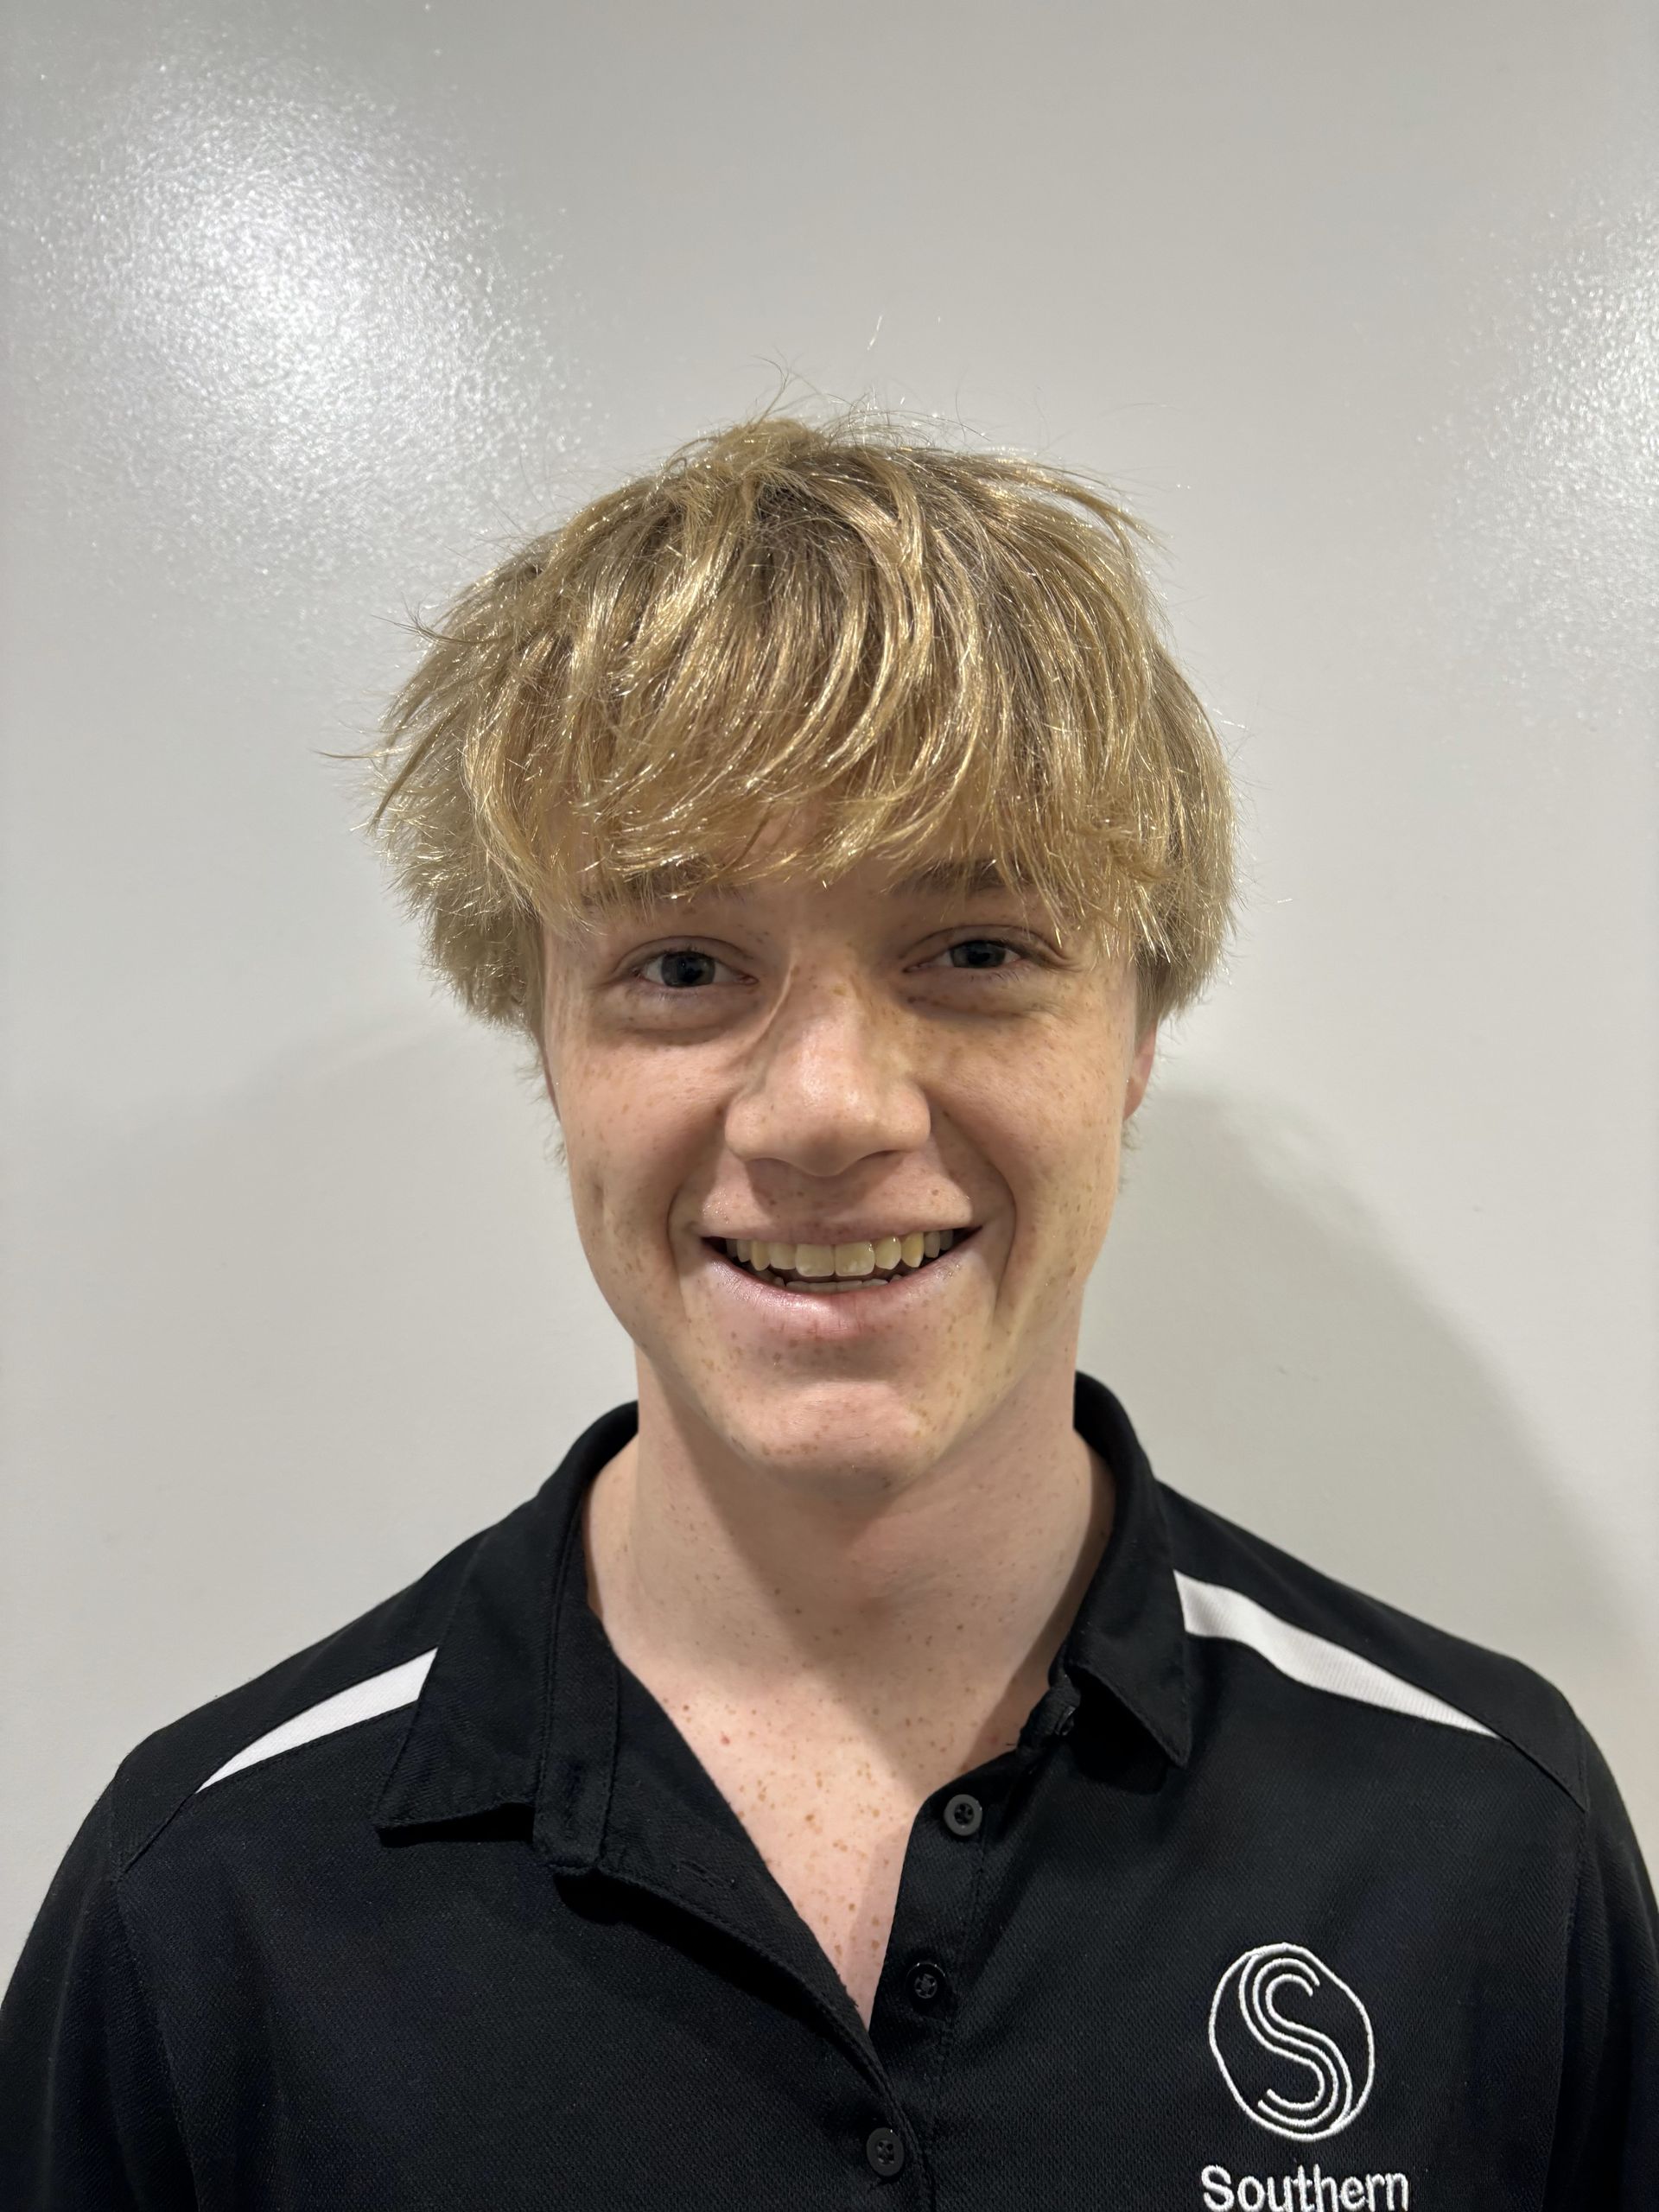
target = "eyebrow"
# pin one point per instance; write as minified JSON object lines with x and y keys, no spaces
{"x":941,"y":877}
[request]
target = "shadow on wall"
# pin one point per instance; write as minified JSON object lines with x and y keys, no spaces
{"x":1283,"y":1367}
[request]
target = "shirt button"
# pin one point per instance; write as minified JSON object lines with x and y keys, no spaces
{"x":884,"y":2150}
{"x":927,"y":1981}
{"x":962,"y":1813}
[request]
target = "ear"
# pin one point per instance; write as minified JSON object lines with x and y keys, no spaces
{"x":1140,"y":1070}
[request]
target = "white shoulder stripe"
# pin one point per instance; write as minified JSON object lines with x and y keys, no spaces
{"x":1210,"y":1609}
{"x":362,"y":1701}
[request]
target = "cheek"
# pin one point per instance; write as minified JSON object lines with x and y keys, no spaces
{"x":1063,"y":1133}
{"x":625,"y":1152}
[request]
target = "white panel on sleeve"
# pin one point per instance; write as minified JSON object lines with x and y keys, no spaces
{"x":1211,"y":1609}
{"x":362,"y":1701}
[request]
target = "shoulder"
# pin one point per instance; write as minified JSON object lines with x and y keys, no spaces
{"x":373,"y":1665}
{"x":1237,"y":1588}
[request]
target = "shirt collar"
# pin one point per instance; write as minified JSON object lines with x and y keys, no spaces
{"x":519,"y":1707}
{"x":1127,"y":1635}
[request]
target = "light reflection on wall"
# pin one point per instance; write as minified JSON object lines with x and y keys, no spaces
{"x":1552,"y":500}
{"x":288,"y":317}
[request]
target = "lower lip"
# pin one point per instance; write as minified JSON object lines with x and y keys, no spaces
{"x":829,"y":1317}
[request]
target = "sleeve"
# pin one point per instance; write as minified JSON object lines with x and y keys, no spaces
{"x":1607,"y":2144}
{"x":87,"y":2114}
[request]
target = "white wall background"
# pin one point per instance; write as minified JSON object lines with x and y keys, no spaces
{"x":314,"y":306}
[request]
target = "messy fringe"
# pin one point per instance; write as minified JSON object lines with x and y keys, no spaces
{"x":860,"y":644}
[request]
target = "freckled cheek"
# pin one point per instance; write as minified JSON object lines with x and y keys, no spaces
{"x":1062,"y":1165}
{"x":623,"y":1150}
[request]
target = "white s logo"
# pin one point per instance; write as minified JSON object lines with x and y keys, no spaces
{"x":1327,"y":2042}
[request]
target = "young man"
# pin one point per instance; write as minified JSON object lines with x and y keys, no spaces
{"x":853,"y":1778}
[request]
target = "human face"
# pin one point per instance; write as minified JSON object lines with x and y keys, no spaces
{"x":832,"y":1064}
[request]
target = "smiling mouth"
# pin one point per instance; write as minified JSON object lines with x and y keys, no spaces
{"x":831,"y":1284}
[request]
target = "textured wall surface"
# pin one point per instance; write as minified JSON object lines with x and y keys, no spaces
{"x":313,"y":307}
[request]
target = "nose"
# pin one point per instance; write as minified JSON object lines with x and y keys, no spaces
{"x":832,"y":1081}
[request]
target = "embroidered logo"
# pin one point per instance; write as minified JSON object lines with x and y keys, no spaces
{"x":1293,"y":2042}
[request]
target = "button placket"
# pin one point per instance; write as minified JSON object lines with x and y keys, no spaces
{"x":918,"y":1995}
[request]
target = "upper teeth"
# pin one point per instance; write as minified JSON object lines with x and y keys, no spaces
{"x":861,"y":1259}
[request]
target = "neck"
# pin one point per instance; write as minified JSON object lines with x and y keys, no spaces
{"x":848,"y":1609}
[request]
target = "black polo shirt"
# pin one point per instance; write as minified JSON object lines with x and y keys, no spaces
{"x":1282,"y":1899}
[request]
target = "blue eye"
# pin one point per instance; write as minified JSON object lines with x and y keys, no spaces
{"x":980,"y":967}
{"x":681,"y":955}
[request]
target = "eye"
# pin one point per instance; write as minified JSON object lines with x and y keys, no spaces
{"x":977,"y":945}
{"x":679,"y":957}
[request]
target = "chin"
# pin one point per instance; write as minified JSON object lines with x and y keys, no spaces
{"x":846,"y":1434}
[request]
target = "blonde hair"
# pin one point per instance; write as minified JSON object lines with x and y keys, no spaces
{"x":857,"y":644}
